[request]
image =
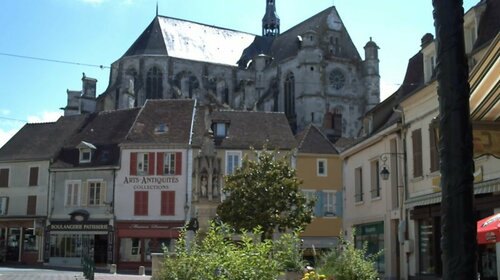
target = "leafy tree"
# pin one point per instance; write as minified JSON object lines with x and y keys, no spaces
{"x":346,"y":262}
{"x":217,"y":256}
{"x":265,"y":193}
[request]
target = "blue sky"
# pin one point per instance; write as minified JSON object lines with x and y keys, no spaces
{"x":98,"y":32}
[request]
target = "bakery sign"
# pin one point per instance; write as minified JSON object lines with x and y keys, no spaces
{"x":150,"y":182}
{"x":65,"y":226}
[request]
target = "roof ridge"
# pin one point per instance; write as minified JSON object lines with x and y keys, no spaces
{"x":205,"y":24}
{"x":324,"y":137}
{"x":308,"y":128}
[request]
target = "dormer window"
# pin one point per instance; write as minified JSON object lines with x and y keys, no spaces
{"x":85,"y":155}
{"x":161,"y":128}
{"x":220,"y":130}
{"x":85,"y":150}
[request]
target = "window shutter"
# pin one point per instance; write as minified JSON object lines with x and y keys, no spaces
{"x":145,"y":203}
{"x":33,"y":180}
{"x":4,"y":177}
{"x":85,"y":193}
{"x":103,"y":193}
{"x":178,"y":163}
{"x":416,"y":136}
{"x":151,"y":167}
{"x":133,"y":164}
{"x":318,"y":211}
{"x":159,"y":163}
{"x":31,"y":207}
{"x":171,"y":203}
{"x":137,"y":203}
{"x":338,"y":204}
{"x":141,"y":203}
{"x":6,"y":207}
{"x":434,"y":149}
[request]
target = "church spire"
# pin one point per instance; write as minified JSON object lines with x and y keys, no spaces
{"x":270,"y":21}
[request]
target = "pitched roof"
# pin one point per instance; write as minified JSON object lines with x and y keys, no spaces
{"x":40,"y":141}
{"x":489,"y":25}
{"x":190,"y":40}
{"x":163,"y":121}
{"x":312,"y":140}
{"x":248,"y":129}
{"x":104,"y":130}
{"x":287,"y":45}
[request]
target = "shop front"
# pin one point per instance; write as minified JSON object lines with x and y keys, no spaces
{"x":137,"y":240}
{"x":21,"y":241}
{"x":67,"y":241}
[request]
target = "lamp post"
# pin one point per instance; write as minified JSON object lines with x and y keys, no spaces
{"x":458,"y":228}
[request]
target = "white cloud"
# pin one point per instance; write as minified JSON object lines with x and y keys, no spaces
{"x":45,"y":117}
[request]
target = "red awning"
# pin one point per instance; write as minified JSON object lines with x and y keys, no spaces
{"x":488,"y":230}
{"x":149,"y":233}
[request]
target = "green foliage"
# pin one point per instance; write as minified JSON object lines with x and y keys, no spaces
{"x":265,"y":193}
{"x":216,"y":256}
{"x":347,"y":262}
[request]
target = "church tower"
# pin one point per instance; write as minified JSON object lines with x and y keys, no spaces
{"x":270,"y":21}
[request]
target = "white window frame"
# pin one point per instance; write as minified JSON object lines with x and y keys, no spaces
{"x":310,"y":194}
{"x":231,"y":154}
{"x":142,"y":163}
{"x":169,"y":163}
{"x":3,"y":205}
{"x":325,"y":167}
{"x":329,"y":203}
{"x":95,"y":181}
{"x":78,"y":184}
{"x":85,"y":151}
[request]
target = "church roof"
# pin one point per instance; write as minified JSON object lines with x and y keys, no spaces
{"x":37,"y":141}
{"x":312,"y":140}
{"x":190,"y":40}
{"x":163,"y":121}
{"x":286,"y":44}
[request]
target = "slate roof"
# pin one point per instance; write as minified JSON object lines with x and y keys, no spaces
{"x":40,"y":141}
{"x":104,"y":130}
{"x":191,"y":40}
{"x":287,"y":45}
{"x":312,"y":140}
{"x":163,"y":121}
{"x":489,"y":24}
{"x":248,"y":129}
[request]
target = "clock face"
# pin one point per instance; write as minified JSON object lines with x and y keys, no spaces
{"x":337,"y":79}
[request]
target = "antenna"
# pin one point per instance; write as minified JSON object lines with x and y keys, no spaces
{"x":156,"y":7}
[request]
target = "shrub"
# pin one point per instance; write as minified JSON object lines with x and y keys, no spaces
{"x":347,"y":262}
{"x":217,"y":256}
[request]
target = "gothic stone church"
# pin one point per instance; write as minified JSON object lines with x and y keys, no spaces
{"x":312,"y":72}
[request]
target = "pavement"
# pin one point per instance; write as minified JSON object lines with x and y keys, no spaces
{"x":27,"y":273}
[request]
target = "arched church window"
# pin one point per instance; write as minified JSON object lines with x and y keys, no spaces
{"x":154,"y":87}
{"x":290,"y":96}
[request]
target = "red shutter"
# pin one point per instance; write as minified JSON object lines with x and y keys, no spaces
{"x":171,"y":203}
{"x":159,"y":163}
{"x":167,"y":203}
{"x":178,"y":163}
{"x":151,"y":170}
{"x":141,"y":203}
{"x":133,"y":164}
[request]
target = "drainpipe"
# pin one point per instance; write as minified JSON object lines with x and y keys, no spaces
{"x":404,"y":216}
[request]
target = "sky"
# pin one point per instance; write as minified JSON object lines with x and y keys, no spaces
{"x":46,"y":45}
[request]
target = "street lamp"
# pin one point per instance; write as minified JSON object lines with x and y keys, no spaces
{"x":384,"y":173}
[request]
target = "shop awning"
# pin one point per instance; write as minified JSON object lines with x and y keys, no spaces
{"x":490,"y":186}
{"x":150,"y":233}
{"x":319,"y":242}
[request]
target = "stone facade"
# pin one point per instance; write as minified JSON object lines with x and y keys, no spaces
{"x":312,"y":72}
